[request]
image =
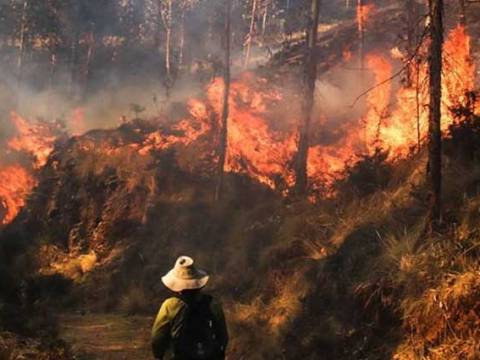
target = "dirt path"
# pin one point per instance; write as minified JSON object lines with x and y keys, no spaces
{"x":107,"y":336}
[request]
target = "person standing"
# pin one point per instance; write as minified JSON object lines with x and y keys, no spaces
{"x":190,"y":325}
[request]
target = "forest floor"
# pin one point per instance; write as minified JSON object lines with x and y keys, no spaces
{"x":107,"y":336}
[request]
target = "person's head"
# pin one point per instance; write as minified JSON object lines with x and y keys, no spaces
{"x":185,"y":278}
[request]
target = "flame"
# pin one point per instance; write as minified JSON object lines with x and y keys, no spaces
{"x":408,"y":121}
{"x":77,"y":123}
{"x":257,"y":146}
{"x":35,"y":139}
{"x":363,"y":14}
{"x":16,"y":183}
{"x":261,"y":142}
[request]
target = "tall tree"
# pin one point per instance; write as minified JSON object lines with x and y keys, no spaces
{"x":166,"y":13}
{"x":222,"y":151}
{"x":251,"y":34}
{"x":361,"y":19}
{"x":463,"y":12}
{"x":23,"y":33}
{"x":412,"y":17}
{"x":434,"y":171}
{"x":310,"y":76}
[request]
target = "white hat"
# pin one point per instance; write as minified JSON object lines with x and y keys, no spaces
{"x":185,"y":276}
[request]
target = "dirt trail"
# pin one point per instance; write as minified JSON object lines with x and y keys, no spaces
{"x":107,"y":336}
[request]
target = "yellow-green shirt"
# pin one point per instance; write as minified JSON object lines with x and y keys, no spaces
{"x":161,"y":331}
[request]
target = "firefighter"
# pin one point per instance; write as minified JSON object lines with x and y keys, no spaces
{"x":190,"y":325}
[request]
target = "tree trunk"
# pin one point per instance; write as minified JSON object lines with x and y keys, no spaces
{"x":434,"y":171}
{"x":225,"y":109}
{"x":361,"y":33}
{"x":182,"y":39}
{"x":21,"y":50}
{"x":264,"y":21}
{"x":412,"y":37}
{"x":168,"y":42}
{"x":463,"y":13}
{"x":88,"y":62}
{"x":73,"y":64}
{"x":166,"y":15}
{"x":310,"y":76}
{"x":248,"y":43}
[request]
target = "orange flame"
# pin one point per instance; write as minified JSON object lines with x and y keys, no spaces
{"x":77,"y":123}
{"x":35,"y":139}
{"x":363,"y":14}
{"x":17,"y":181}
{"x":15,"y":185}
{"x":264,"y":151}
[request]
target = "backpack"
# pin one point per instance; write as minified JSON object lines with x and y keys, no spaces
{"x":194,"y":334}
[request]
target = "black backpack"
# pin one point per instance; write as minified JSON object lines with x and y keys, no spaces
{"x":194,"y":333}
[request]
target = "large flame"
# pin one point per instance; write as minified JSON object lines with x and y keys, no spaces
{"x":395,"y":120}
{"x":16,"y":183}
{"x":262,"y":140}
{"x":36,"y":139}
{"x":363,"y":15}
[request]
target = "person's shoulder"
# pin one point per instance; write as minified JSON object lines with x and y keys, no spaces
{"x":173,"y":304}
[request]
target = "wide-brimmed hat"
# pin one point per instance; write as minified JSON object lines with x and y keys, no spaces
{"x":185,"y":276}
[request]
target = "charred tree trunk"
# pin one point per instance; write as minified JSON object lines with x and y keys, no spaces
{"x":434,"y":171}
{"x":310,"y":76}
{"x":411,"y":11}
{"x":222,"y":151}
{"x":251,"y":31}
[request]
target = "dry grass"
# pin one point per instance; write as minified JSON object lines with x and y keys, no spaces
{"x":444,"y":322}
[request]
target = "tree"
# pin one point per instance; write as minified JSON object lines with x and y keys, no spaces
{"x":463,"y":12}
{"x":251,"y":34}
{"x":434,"y":170}
{"x":361,"y":19}
{"x":310,"y":76}
{"x":225,"y":107}
{"x":166,"y":13}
